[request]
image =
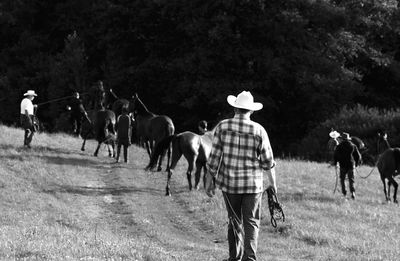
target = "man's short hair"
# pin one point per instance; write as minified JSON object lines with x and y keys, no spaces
{"x":242,"y":111}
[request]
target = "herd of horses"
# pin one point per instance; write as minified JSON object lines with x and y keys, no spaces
{"x":157,"y":134}
{"x":154,"y":132}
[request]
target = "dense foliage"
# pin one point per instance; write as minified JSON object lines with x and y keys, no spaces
{"x":359,"y":121}
{"x":303,"y":59}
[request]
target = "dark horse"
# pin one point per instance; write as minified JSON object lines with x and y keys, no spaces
{"x":388,"y":166}
{"x":195,"y":148}
{"x":151,"y":128}
{"x":366,"y":156}
{"x":103,"y":128}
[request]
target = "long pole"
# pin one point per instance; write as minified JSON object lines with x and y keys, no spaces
{"x":58,"y":99}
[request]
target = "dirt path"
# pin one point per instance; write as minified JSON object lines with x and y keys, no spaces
{"x":133,"y":202}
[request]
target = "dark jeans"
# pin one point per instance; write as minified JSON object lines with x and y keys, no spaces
{"x":28,"y":126}
{"x":248,"y":209}
{"x":125,"y":145}
{"x":350,"y":173}
{"x":76,"y":121}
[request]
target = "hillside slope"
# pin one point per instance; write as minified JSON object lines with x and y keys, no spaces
{"x":58,"y":203}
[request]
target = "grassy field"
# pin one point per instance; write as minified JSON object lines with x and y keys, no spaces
{"x":58,"y":203}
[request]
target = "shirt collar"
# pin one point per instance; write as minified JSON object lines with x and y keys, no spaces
{"x":242,"y":116}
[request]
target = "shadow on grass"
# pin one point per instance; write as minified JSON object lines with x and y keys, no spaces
{"x":38,"y":148}
{"x":102,"y":191}
{"x":305,"y":196}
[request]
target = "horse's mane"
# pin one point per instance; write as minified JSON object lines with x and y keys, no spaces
{"x":142,"y":105}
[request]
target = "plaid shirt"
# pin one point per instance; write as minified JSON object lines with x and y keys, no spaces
{"x":242,"y":151}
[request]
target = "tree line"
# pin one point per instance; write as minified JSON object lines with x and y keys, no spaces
{"x":304,"y":60}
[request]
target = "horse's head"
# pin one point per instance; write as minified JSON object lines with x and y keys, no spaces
{"x":136,"y":106}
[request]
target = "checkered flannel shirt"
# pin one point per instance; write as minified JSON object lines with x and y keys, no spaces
{"x":242,"y":152}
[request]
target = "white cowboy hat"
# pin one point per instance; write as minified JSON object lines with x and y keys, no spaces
{"x":30,"y":92}
{"x":334,"y":134}
{"x":244,"y":101}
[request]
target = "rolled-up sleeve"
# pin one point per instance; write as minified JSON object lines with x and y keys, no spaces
{"x":215,"y":155}
{"x":266,"y":155}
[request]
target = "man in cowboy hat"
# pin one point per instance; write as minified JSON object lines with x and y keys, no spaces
{"x":348,"y":157}
{"x":27,"y":116}
{"x":332,"y":144}
{"x":241,"y":156}
{"x":202,"y":127}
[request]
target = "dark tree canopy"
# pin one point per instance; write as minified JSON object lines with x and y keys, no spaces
{"x":304,"y":60}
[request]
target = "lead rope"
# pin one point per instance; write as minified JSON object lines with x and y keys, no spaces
{"x":336,"y":172}
{"x":275,"y":208}
{"x":234,"y":221}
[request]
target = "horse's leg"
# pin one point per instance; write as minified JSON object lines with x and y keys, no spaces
{"x":176,"y":155}
{"x":197,"y":174}
{"x":84,"y":141}
{"x":110,"y":150}
{"x":168,"y":156}
{"x":96,"y":152}
{"x":160,"y":160}
{"x":395,"y":186}
{"x":384,"y":188}
{"x":90,"y":131}
{"x":147,"y":144}
{"x":191,"y":159}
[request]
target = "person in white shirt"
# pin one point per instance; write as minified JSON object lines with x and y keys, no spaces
{"x":27,"y":116}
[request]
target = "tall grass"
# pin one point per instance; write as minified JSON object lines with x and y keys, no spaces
{"x":58,"y":203}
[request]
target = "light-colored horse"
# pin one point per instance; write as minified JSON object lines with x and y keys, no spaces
{"x":195,"y":148}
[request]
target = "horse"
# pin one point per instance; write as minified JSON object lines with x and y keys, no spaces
{"x":388,"y":166}
{"x":151,"y":128}
{"x":195,"y":148}
{"x":382,"y":144}
{"x":102,"y":126}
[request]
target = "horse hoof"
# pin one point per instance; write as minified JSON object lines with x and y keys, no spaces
{"x":168,"y":194}
{"x":82,"y":149}
{"x":395,"y":201}
{"x":159,"y":169}
{"x":197,"y":187}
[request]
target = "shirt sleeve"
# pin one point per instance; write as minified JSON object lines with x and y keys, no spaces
{"x":267,"y":161}
{"x":215,"y":155}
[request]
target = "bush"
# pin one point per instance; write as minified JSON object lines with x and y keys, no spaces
{"x":359,"y":121}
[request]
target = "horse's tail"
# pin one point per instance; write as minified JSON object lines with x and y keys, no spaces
{"x":158,"y":150}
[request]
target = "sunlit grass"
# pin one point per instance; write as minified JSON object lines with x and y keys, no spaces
{"x":58,"y":203}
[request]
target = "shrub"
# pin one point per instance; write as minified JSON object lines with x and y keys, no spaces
{"x":359,"y":121}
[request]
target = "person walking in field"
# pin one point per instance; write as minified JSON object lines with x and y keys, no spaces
{"x":202,"y":127}
{"x":27,"y":117}
{"x":124,"y":133}
{"x":348,"y":157}
{"x":241,"y":157}
{"x":78,"y":113}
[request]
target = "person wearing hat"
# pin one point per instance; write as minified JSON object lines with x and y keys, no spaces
{"x":202,"y":127}
{"x":27,"y":110}
{"x":348,"y":157}
{"x":77,"y":113}
{"x":332,"y":144}
{"x":240,"y":158}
